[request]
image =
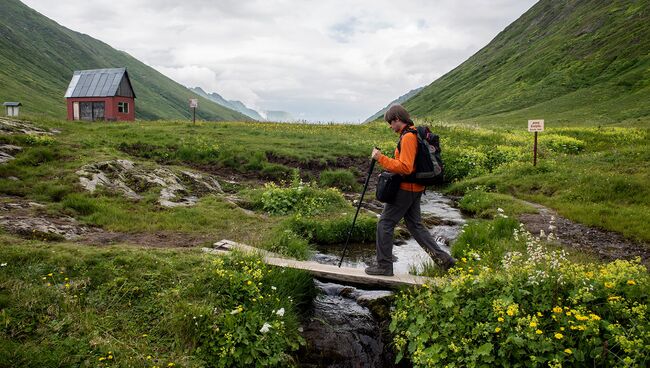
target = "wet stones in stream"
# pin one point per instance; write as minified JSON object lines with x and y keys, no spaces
{"x":346,"y":328}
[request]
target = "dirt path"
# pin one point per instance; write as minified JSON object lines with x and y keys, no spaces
{"x":607,"y":245}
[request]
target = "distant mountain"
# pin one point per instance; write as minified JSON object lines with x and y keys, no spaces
{"x":279,"y":116}
{"x":400,"y":100}
{"x":38,"y":57}
{"x":565,"y":61}
{"x":233,"y":105}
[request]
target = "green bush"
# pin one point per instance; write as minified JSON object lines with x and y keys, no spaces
{"x":300,"y":198}
{"x":287,"y":242}
{"x":534,"y":309}
{"x":342,"y":179}
{"x":333,"y":230}
{"x":562,"y":143}
{"x":463,"y":162}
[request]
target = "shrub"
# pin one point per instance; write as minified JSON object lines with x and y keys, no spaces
{"x":463,"y":162}
{"x":562,"y":143}
{"x":342,"y":179}
{"x":537,"y":309}
{"x":333,"y":230}
{"x":287,"y":242}
{"x":299,"y":198}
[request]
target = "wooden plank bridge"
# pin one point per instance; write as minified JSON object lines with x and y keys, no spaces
{"x":328,"y":272}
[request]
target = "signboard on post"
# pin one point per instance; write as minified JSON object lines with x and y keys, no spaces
{"x":535,"y":126}
{"x":194,"y":103}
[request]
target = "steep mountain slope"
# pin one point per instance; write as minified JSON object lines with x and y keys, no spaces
{"x":38,"y":56}
{"x":572,"y":61}
{"x":233,"y":105}
{"x":401,"y":99}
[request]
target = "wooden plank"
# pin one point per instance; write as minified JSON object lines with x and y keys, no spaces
{"x":329,"y":272}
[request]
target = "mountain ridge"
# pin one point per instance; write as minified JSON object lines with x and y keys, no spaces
{"x":38,"y":57}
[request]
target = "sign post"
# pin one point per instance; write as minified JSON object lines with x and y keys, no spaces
{"x":535,"y":126}
{"x":194,"y":103}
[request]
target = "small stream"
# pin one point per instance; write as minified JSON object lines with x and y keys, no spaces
{"x":347,"y":327}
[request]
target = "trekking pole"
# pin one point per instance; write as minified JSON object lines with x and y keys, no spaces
{"x":365,"y":187}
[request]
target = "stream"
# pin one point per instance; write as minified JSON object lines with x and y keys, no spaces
{"x":347,"y":326}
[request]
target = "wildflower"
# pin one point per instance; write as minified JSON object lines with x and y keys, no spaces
{"x":280,"y":312}
{"x":539,"y":332}
{"x":497,"y":330}
{"x":49,"y":274}
{"x":249,"y":282}
{"x":67,"y":286}
{"x":464,"y":260}
{"x":533,"y":324}
{"x":144,"y":335}
{"x":237,"y":310}
{"x":539,"y":314}
{"x":44,"y":278}
{"x":629,"y":282}
{"x":557,"y":309}
{"x":594,"y":317}
{"x":609,"y":285}
{"x":66,"y":279}
{"x":102,"y":359}
{"x":4,"y":264}
{"x":170,"y":364}
{"x":558,"y":336}
{"x":274,"y":288}
{"x":500,"y":210}
{"x":568,"y":351}
{"x":265,"y":328}
{"x":500,"y":319}
{"x":110,"y":357}
{"x":148,"y":357}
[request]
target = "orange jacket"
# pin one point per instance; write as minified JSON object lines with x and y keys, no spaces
{"x":404,"y":162}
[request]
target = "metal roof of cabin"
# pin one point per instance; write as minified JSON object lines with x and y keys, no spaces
{"x":96,"y":82}
{"x":12,"y":104}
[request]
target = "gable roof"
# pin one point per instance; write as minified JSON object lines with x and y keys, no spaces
{"x":97,"y":83}
{"x":12,"y":104}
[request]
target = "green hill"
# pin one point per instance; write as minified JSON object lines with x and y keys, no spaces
{"x":573,"y":61}
{"x":38,"y":57}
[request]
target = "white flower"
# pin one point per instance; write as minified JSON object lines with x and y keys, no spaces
{"x":280,"y":312}
{"x":235,"y":311}
{"x":500,"y":209}
{"x":274,"y":288}
{"x":265,"y":328}
{"x":4,"y":264}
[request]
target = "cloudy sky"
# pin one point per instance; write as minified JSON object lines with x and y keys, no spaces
{"x":338,"y":60}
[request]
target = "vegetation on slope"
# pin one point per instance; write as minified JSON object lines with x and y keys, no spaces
{"x":38,"y":57}
{"x":576,"y":61}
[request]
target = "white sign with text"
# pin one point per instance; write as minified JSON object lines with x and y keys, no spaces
{"x":194,"y":103}
{"x":535,"y":125}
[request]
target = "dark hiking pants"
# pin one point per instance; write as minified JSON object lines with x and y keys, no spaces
{"x":407,"y":206}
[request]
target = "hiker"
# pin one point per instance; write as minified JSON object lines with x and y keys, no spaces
{"x":407,"y":202}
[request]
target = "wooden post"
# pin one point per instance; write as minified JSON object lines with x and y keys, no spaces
{"x":535,"y":151}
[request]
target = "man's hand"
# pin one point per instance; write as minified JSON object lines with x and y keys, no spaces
{"x":375,"y":153}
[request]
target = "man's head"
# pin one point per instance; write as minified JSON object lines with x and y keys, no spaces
{"x":397,"y":117}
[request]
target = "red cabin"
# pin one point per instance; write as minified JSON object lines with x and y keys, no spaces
{"x":101,"y":94}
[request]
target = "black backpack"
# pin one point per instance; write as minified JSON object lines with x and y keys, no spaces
{"x":429,"y":168}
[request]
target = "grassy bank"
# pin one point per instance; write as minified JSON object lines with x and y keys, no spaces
{"x":69,"y":305}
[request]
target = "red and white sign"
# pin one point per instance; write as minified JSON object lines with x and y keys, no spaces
{"x":535,"y":125}
{"x":194,"y":103}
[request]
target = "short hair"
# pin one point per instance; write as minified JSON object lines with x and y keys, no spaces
{"x":398,"y":112}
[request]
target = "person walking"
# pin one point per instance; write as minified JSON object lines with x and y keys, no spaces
{"x":407,"y":202}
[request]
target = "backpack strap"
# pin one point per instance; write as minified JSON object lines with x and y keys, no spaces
{"x":406,"y":130}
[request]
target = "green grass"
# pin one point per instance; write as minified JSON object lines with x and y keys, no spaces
{"x":69,"y":305}
{"x":570,"y":62}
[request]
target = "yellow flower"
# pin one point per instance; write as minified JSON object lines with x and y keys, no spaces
{"x":511,"y":312}
{"x":539,"y":314}
{"x":110,"y":357}
{"x":497,"y":330}
{"x":464,"y":260}
{"x":500,"y":319}
{"x":581,"y":318}
{"x":171,"y":364}
{"x":49,"y":274}
{"x":67,"y":285}
{"x":66,"y":279}
{"x":561,"y":328}
{"x":101,"y":359}
{"x":148,"y":357}
{"x":539,"y":332}
{"x":609,"y":285}
{"x":557,"y":309}
{"x":533,"y":324}
{"x":568,"y":351}
{"x":594,"y":317}
{"x":631,"y":282}
{"x":249,"y":282}
{"x":558,"y":336}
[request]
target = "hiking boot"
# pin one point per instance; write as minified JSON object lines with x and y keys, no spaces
{"x":379,"y":270}
{"x":449,"y":264}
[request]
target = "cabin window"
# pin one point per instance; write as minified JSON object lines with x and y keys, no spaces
{"x":123,"y":107}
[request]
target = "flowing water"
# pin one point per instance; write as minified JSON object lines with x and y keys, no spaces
{"x":347,"y":324}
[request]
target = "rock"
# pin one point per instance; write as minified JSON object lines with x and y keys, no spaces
{"x":44,"y":228}
{"x":177,"y":187}
{"x":7,"y":152}
{"x":9,"y":126}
